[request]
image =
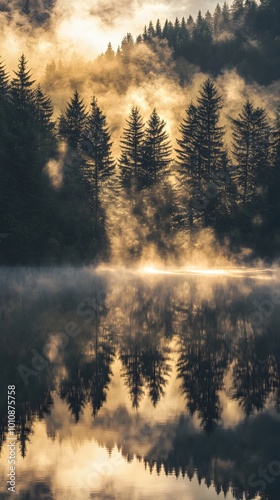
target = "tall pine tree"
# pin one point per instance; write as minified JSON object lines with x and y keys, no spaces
{"x":22,"y":86}
{"x":251,"y":151}
{"x":72,"y":122}
{"x":209,"y":136}
{"x":202,"y":156}
{"x":156,"y":151}
{"x":96,"y":147}
{"x":131,"y":146}
{"x":4,"y":82}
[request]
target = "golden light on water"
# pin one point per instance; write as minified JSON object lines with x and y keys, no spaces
{"x":264,"y":274}
{"x":254,"y":273}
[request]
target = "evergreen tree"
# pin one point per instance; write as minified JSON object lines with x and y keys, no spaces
{"x":110,"y":54}
{"x":151,"y":30}
{"x":22,"y":90}
{"x":251,"y":151}
{"x":217,"y":20}
{"x":188,"y":157}
{"x":226,"y":16}
{"x":130,"y":162}
{"x":156,"y":151}
{"x":158,"y":29}
{"x":72,"y":122}
{"x":126,"y":48}
{"x":167,"y":30}
{"x":44,"y":109}
{"x":209,"y":20}
{"x":184,"y":34}
{"x":4,"y":82}
{"x":209,"y":134}
{"x":201,"y":154}
{"x":5,"y":144}
{"x":28,"y":206}
{"x":96,"y":148}
{"x":201,"y":30}
{"x":75,"y":199}
{"x":190,"y":23}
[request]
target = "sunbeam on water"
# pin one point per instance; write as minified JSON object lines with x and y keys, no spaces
{"x":229,"y":272}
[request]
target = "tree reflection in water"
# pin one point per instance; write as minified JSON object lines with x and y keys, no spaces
{"x":155,"y":327}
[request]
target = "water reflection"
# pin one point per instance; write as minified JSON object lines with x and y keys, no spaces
{"x":173,"y":371}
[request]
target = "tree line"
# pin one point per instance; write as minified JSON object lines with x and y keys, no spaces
{"x":243,"y":35}
{"x":202,"y":184}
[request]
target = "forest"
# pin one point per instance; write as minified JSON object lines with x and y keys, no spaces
{"x":66,"y":197}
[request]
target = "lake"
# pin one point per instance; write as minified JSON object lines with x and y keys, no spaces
{"x":141,"y":384}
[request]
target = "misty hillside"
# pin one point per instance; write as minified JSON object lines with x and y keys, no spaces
{"x":245,"y":36}
{"x":167,"y":146}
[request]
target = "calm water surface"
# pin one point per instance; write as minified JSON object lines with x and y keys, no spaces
{"x":136,"y":385}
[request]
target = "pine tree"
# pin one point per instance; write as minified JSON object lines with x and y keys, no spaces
{"x":250,"y":150}
{"x":217,"y":20}
{"x":183,"y":36}
{"x":4,"y":82}
{"x":96,"y":147}
{"x":6,"y":145}
{"x":190,"y":23}
{"x":226,"y":16}
{"x":26,"y":150}
{"x":44,"y":109}
{"x":110,"y":54}
{"x":22,"y":91}
{"x":72,"y":122}
{"x":188,"y":156}
{"x":201,"y":30}
{"x":151,"y":30}
{"x":167,"y":30}
{"x":202,"y":157}
{"x":126,"y":48}
{"x":187,"y":151}
{"x":132,"y":151}
{"x":156,"y":151}
{"x":210,"y":136}
{"x":158,"y":29}
{"x":209,"y":20}
{"x":237,"y":12}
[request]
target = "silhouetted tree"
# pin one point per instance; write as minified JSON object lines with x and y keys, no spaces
{"x":72,"y":122}
{"x":22,"y":86}
{"x":156,"y":151}
{"x":96,"y":148}
{"x":131,"y":145}
{"x":251,"y":150}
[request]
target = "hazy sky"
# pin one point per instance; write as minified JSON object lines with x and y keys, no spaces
{"x":95,"y":23}
{"x":86,"y":26}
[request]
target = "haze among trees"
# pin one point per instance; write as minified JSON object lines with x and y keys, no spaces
{"x":59,"y":176}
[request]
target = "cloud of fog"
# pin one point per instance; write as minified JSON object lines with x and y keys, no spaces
{"x":47,"y":27}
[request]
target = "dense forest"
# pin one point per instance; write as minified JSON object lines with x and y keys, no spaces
{"x":65,"y":197}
